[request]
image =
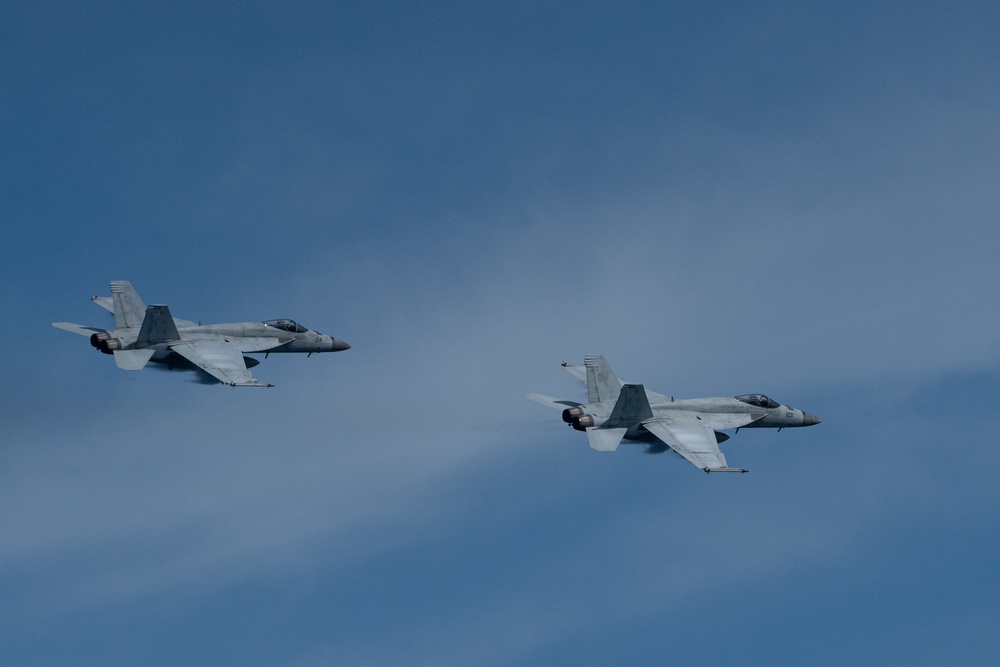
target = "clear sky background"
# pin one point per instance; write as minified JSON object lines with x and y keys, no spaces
{"x":793,"y":198}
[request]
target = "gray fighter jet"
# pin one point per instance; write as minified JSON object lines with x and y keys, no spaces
{"x":144,"y":334}
{"x":691,"y":427}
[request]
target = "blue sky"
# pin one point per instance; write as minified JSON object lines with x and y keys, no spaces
{"x":794,"y":198}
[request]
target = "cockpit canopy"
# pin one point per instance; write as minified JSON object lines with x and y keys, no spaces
{"x":759,"y":400}
{"x":290,"y":326}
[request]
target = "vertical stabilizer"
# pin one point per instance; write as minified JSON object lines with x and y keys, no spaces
{"x":602,"y":383}
{"x":129,"y":308}
{"x":632,"y":407}
{"x":157,"y":327}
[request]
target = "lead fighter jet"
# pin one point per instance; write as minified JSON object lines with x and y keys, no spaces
{"x":691,"y":427}
{"x":144,"y":334}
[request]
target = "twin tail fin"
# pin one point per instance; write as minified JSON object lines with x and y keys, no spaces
{"x":129,"y":309}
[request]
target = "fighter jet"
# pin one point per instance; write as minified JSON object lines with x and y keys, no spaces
{"x":692,"y":427}
{"x":144,"y":334}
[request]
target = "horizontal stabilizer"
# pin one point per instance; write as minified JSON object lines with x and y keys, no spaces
{"x":605,"y":439}
{"x":551,"y":402}
{"x":104,"y":302}
{"x":76,"y":328}
{"x":132,"y":360}
{"x":576,"y":370}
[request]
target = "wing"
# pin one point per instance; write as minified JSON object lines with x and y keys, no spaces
{"x":221,"y":360}
{"x":76,"y":328}
{"x":551,"y":402}
{"x":691,"y":439}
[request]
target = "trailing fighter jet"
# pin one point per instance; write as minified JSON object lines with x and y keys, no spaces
{"x":691,"y":427}
{"x":144,"y":334}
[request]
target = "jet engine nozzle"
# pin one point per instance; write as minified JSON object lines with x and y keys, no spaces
{"x":583,"y":422}
{"x":105,"y":343}
{"x":569,"y":414}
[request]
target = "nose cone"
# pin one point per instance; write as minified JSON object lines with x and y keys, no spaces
{"x":809,"y":420}
{"x":337,"y":345}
